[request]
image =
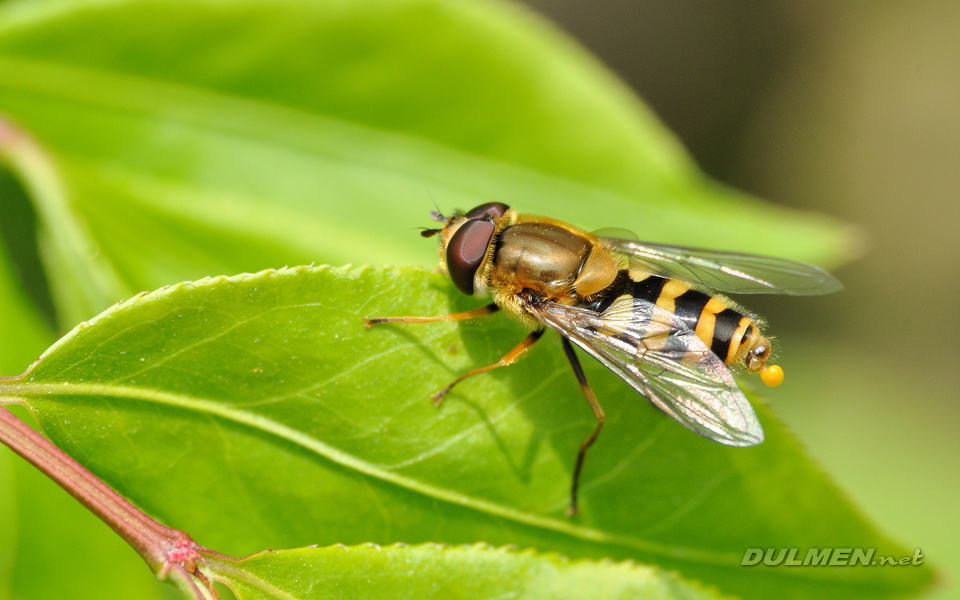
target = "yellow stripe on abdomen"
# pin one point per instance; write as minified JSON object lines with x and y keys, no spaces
{"x":707,"y":321}
{"x":672,"y":289}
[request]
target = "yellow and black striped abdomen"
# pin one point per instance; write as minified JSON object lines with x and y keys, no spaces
{"x":713,"y":318}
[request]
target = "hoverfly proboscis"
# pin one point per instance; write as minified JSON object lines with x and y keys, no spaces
{"x":649,"y":312}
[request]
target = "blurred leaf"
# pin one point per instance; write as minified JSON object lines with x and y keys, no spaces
{"x":851,"y":395}
{"x":199,"y":138}
{"x":18,"y":232}
{"x":433,"y":571}
{"x":256,"y":411}
{"x":23,"y":332}
{"x":72,"y":258}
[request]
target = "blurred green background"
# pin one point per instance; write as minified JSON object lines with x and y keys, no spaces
{"x":852,"y":109}
{"x":849,"y":109}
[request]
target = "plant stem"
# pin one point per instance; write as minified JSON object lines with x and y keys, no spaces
{"x":167,"y":551}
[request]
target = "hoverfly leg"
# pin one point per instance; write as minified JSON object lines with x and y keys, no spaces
{"x":598,"y":413}
{"x":508,"y":359}
{"x":476,"y":313}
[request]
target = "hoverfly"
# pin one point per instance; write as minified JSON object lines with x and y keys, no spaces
{"x":648,"y":312}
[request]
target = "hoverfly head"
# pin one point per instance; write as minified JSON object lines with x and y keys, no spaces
{"x":464,"y":241}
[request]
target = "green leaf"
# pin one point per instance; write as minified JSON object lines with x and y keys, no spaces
{"x":200,"y":138}
{"x":257,"y":411}
{"x":433,"y":571}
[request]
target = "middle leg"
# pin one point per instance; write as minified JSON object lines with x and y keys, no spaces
{"x":508,"y":359}
{"x":597,"y":412}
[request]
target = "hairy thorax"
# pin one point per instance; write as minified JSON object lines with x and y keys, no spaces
{"x":549,"y":261}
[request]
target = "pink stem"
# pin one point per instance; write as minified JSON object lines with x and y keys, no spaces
{"x":164,"y":549}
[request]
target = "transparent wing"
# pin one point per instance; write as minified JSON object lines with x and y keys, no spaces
{"x":729,"y":272}
{"x":652,"y":350}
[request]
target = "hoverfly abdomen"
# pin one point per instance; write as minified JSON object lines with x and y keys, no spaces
{"x":727,"y":330}
{"x":647,"y":287}
{"x":724,"y":329}
{"x":689,"y":306}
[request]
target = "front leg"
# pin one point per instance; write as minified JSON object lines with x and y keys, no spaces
{"x":483,"y":311}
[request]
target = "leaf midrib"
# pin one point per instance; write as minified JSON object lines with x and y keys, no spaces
{"x":233,"y":569}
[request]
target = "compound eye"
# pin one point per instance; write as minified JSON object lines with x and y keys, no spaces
{"x":466,"y":250}
{"x":490,"y":209}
